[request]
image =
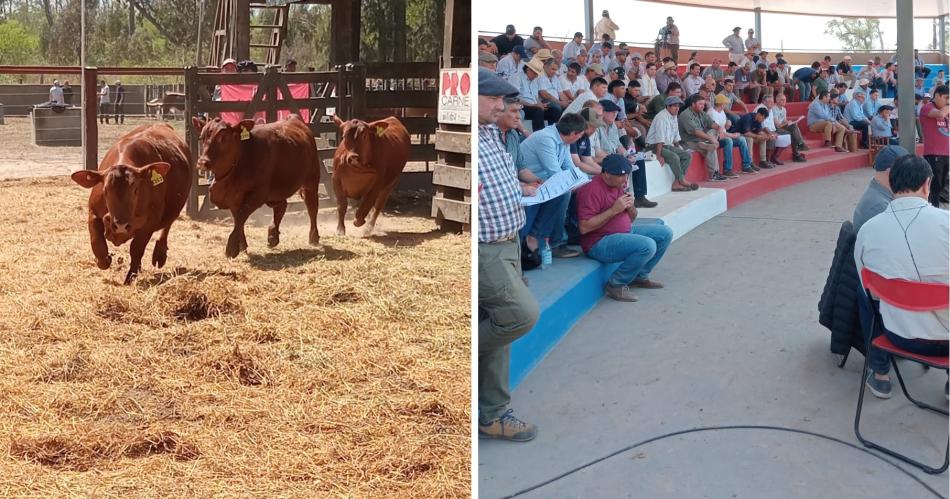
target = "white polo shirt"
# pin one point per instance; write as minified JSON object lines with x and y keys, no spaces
{"x":881,"y":247}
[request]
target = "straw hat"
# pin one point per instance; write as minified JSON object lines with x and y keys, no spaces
{"x":535,"y":65}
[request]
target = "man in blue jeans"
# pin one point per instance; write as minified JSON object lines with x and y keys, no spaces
{"x":606,"y":214}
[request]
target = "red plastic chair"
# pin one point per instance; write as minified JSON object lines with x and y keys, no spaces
{"x":912,"y":296}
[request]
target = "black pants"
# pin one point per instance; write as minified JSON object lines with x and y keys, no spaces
{"x":537,"y":116}
{"x":119,"y":112}
{"x":939,"y":166}
{"x":863,"y":127}
{"x":104,"y":112}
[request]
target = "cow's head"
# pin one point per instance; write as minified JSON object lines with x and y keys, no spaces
{"x":221,"y":143}
{"x":128,"y":193}
{"x":357,"y":139}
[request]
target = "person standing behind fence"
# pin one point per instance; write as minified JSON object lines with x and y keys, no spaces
{"x":104,"y":101}
{"x":119,"y":102}
{"x":669,"y":37}
{"x":67,"y":93}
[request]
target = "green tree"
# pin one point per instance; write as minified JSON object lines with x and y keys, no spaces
{"x":856,"y":34}
{"x":17,"y":45}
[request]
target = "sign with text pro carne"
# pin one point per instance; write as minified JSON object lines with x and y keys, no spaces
{"x":455,"y":100}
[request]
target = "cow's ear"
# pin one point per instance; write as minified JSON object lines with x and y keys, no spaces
{"x":338,"y":121}
{"x":87,"y":178}
{"x":197,"y":122}
{"x":160,"y":167}
{"x":379,"y":127}
{"x":246,"y":124}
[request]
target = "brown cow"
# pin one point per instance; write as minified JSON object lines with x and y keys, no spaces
{"x":141,"y":186}
{"x":254,"y":165}
{"x":366,"y":166}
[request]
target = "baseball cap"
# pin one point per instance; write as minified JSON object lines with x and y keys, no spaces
{"x":591,"y":117}
{"x":737,"y":28}
{"x":578,"y":34}
{"x":520,"y":50}
{"x":228,"y":61}
{"x":636,"y":55}
{"x":490,"y":84}
{"x":609,"y":106}
{"x":619,"y":71}
{"x":882,"y":108}
{"x":673,"y":100}
{"x":886,"y":157}
{"x":616,"y":164}
{"x":510,"y":29}
{"x":863,"y":81}
{"x":487,"y":57}
{"x":928,"y":96}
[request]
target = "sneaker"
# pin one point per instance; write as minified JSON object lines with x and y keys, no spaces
{"x":756,"y":168}
{"x":620,"y":293}
{"x":645,"y":284}
{"x":643,"y":202}
{"x":730,"y":174}
{"x":564,"y":252}
{"x":803,"y":147}
{"x":881,"y":388}
{"x":716,"y":177}
{"x":777,"y":162}
{"x":749,"y":170}
{"x":799,"y":159}
{"x":508,"y":427}
{"x":765,"y":164}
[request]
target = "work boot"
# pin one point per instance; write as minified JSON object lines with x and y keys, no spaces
{"x":643,"y":202}
{"x":507,"y":427}
{"x":620,"y":293}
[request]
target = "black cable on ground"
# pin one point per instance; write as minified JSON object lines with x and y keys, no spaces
{"x":715,"y":428}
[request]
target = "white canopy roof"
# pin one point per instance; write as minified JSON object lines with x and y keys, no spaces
{"x":835,"y":8}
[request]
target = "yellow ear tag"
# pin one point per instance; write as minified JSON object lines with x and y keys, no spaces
{"x":245,"y":134}
{"x":157,"y":178}
{"x":379,"y":131}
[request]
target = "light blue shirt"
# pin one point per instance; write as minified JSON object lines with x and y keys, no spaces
{"x":818,"y":111}
{"x":854,"y":111}
{"x":528,"y":89}
{"x":880,"y":127}
{"x":545,"y":153}
{"x":870,"y":107}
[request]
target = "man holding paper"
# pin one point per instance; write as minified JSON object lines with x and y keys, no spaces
{"x":547,"y":152}
{"x":780,"y":117}
{"x":606,"y":214}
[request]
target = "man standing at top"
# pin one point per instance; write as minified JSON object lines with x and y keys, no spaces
{"x":752,"y":44}
{"x":507,"y":41}
{"x":605,"y":26}
{"x":933,"y":122}
{"x":506,"y":308}
{"x":735,"y":45}
{"x":670,"y":38}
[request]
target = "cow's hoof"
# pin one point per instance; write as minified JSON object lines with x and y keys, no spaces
{"x":159,"y":256}
{"x":232,"y":249}
{"x":130,"y":276}
{"x":273,"y":236}
{"x":340,"y":231}
{"x":104,"y":263}
{"x":314,"y":239}
{"x":358,"y":222}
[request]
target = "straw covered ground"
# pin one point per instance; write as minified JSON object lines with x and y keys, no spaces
{"x":339,"y":370}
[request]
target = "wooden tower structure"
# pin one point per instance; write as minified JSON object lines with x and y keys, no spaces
{"x":231,"y":37}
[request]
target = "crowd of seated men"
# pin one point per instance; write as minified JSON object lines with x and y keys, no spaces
{"x":584,"y":102}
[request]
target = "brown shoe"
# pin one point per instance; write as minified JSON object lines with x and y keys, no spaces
{"x":564,"y":252}
{"x":620,"y":293}
{"x":776,"y":161}
{"x":508,"y":427}
{"x":840,"y":149}
{"x":645,"y":284}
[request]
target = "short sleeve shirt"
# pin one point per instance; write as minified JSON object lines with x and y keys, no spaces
{"x":936,"y":136}
{"x":689,"y":122}
{"x":592,"y":200}
{"x":746,"y":124}
{"x":582,"y":147}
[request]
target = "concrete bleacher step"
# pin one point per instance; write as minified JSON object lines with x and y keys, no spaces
{"x":569,"y":288}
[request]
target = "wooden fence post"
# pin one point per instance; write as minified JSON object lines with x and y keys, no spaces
{"x":269,"y":82}
{"x":191,"y":135}
{"x":90,"y":128}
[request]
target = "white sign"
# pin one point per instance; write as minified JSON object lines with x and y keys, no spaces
{"x":455,"y":100}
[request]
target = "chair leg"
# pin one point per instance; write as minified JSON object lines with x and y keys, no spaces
{"x":922,"y":405}
{"x":872,"y":445}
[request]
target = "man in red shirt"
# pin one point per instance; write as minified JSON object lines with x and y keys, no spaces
{"x":933,"y":123}
{"x":606,"y":213}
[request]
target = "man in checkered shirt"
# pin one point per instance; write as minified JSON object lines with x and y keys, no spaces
{"x":506,"y":308}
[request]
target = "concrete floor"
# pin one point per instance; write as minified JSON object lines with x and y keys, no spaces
{"x":733,"y":339}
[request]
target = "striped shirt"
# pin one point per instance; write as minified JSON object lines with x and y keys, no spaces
{"x":500,"y":215}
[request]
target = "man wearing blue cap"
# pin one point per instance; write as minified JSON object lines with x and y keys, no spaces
{"x":878,"y":194}
{"x":506,"y":308}
{"x":605,"y":212}
{"x":509,"y":66}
